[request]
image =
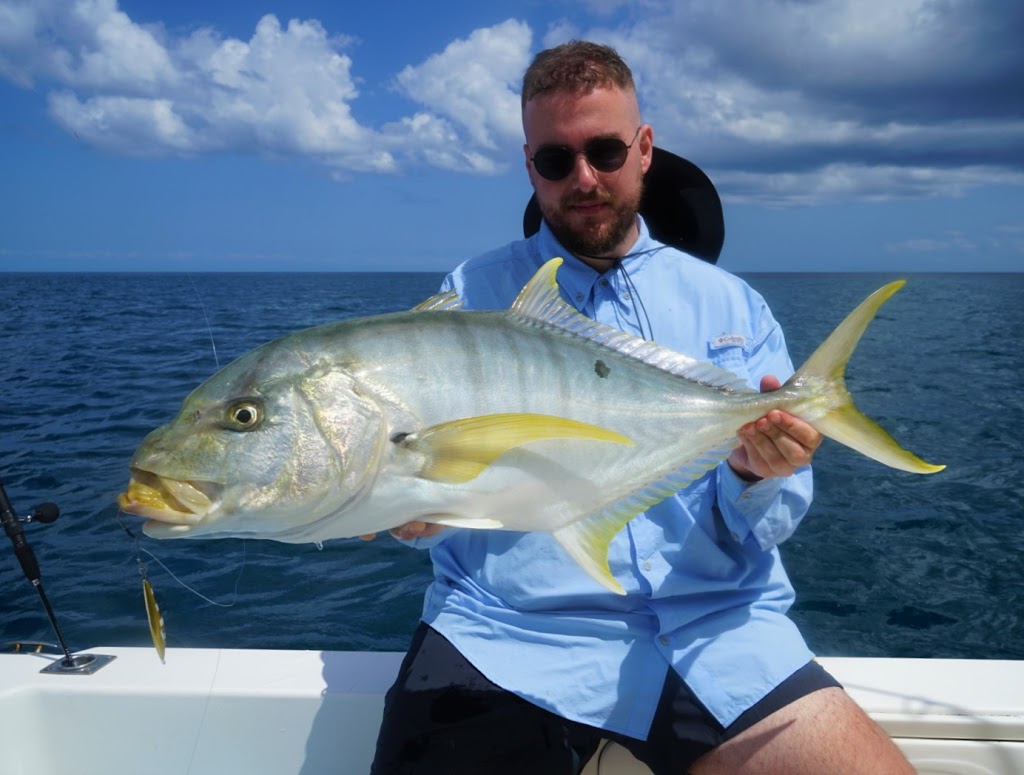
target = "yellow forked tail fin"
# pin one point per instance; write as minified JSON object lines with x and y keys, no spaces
{"x":845,"y":423}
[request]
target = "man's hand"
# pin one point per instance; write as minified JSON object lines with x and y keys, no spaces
{"x":410,"y":530}
{"x":774,"y":445}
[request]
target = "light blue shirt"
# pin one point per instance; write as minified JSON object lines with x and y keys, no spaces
{"x":706,"y":590}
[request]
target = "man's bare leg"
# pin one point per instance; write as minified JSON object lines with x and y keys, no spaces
{"x":822,"y":732}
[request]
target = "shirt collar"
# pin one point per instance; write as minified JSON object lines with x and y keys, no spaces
{"x":575,"y":278}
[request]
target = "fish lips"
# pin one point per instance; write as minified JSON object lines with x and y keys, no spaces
{"x":177,"y":504}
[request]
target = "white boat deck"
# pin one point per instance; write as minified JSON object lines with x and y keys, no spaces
{"x":217,"y":711}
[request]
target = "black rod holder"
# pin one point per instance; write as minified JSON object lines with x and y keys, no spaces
{"x":82,"y":664}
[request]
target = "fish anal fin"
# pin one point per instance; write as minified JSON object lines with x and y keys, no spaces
{"x":460,"y":450}
{"x":587,"y":541}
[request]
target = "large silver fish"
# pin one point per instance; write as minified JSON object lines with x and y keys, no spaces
{"x":534,"y":418}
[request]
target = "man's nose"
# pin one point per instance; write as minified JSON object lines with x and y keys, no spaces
{"x":584,"y":176}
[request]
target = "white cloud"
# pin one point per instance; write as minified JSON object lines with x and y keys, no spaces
{"x":475,"y":82}
{"x":843,"y":182}
{"x":138,"y":126}
{"x":286,"y":91}
{"x":780,"y":100}
{"x":89,"y":44}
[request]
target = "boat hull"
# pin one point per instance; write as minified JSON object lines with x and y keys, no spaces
{"x":211,"y":711}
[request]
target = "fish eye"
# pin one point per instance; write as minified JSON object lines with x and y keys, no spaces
{"x":244,"y":416}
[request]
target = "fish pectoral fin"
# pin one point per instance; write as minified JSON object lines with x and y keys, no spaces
{"x":459,"y":451}
{"x":587,"y":543}
{"x":474,"y":523}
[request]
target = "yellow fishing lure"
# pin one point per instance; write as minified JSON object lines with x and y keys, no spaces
{"x":156,"y":620}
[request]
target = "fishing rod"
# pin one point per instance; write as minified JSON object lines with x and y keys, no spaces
{"x":81,"y":664}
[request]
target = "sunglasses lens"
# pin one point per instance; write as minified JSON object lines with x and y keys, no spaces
{"x":553,"y":163}
{"x":606,"y":155}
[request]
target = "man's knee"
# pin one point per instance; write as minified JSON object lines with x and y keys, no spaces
{"x":825,"y":731}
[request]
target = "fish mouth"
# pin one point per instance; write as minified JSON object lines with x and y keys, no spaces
{"x":161,"y":498}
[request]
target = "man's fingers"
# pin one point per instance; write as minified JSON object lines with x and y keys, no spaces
{"x":801,"y":432}
{"x":778,"y":444}
{"x":416,"y":529}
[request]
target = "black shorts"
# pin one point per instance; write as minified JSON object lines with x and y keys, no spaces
{"x":444,"y":717}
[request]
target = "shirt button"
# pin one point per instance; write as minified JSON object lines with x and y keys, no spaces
{"x":735,"y":537}
{"x":663,"y":640}
{"x":579,"y":297}
{"x":647,"y":565}
{"x":604,"y":283}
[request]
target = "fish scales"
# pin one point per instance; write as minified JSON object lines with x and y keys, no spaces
{"x":557,"y":376}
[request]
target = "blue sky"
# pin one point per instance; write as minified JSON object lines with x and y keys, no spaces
{"x":849,"y":135}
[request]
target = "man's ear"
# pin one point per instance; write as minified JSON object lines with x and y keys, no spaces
{"x":646,"y":141}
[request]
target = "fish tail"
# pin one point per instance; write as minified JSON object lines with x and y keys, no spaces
{"x":843,"y":422}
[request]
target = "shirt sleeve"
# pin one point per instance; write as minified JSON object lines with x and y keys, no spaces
{"x":771,"y":509}
{"x":427,"y":543}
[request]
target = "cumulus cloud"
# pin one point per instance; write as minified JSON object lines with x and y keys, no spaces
{"x":784,"y":101}
{"x":474,"y":83}
{"x":288,"y":90}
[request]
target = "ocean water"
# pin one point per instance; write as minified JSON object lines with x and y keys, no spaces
{"x":885,"y":564}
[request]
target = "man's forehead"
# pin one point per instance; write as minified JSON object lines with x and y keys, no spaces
{"x":578,"y":93}
{"x":594,"y":111}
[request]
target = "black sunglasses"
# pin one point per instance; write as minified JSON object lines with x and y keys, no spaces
{"x":604,"y":154}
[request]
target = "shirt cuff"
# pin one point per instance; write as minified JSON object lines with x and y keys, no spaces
{"x":751,"y":507}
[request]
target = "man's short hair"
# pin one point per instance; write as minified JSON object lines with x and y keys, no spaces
{"x":579,"y":66}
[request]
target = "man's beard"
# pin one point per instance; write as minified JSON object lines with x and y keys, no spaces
{"x":597,"y":240}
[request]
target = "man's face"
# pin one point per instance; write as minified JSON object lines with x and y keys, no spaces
{"x":591,"y":213}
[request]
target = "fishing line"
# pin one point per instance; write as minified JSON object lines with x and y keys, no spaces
{"x":196,"y":592}
{"x":139,"y":550}
{"x":157,"y":630}
{"x":209,"y":328}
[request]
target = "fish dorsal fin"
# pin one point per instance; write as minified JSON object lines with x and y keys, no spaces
{"x":460,"y":450}
{"x":440,"y":302}
{"x":540,"y":300}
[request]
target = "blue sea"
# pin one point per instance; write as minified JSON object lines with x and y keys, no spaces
{"x":885,"y":564}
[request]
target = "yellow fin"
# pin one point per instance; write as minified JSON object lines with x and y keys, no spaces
{"x":857,"y":431}
{"x":156,"y":620}
{"x":447,"y":301}
{"x":844,"y":422}
{"x":459,"y":451}
{"x":540,"y":295}
{"x":587,"y":543}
